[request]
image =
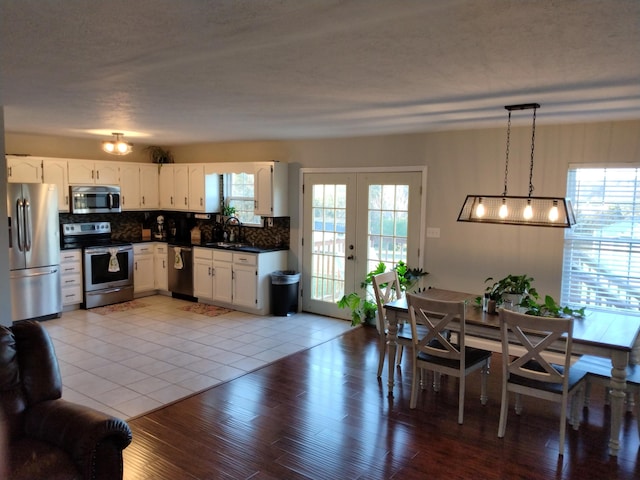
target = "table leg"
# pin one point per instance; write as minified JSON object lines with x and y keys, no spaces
{"x":619,"y":361}
{"x":392,"y":348}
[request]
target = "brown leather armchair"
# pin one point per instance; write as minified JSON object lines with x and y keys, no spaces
{"x":48,"y":437}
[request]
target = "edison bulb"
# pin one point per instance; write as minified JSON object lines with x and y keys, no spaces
{"x":480,"y":209}
{"x":528,"y":212}
{"x":504,"y":211}
{"x":553,"y":212}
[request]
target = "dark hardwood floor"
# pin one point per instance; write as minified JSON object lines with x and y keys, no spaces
{"x":323,"y":414}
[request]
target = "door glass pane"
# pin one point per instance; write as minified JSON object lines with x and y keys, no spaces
{"x":387,"y":229}
{"x":328,"y":249}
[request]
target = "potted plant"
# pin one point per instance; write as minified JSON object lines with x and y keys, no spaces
{"x":363,"y":305}
{"x":512,"y":288}
{"x":228,"y":211}
{"x":159,"y":155}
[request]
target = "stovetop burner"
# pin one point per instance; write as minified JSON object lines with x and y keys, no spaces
{"x":88,"y":234}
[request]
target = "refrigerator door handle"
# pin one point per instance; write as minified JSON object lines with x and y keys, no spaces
{"x":27,"y":226}
{"x":40,"y":274}
{"x":20,"y":224}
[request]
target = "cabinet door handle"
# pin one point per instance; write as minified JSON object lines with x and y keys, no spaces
{"x":143,"y":200}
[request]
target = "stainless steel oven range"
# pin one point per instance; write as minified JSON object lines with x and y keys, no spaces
{"x":107,"y":264}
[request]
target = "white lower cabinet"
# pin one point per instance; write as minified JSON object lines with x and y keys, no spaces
{"x":143,"y":272}
{"x":160,"y":266}
{"x":71,"y":276}
{"x":236,"y":280}
{"x":212,"y":274}
{"x":245,"y":280}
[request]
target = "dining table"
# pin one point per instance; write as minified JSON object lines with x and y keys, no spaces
{"x":610,"y":335}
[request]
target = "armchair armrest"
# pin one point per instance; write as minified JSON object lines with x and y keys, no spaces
{"x":93,"y":439}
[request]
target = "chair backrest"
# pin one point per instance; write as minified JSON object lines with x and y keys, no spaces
{"x":386,"y":287}
{"x":537,"y":335}
{"x":29,"y":371}
{"x":438,"y":316}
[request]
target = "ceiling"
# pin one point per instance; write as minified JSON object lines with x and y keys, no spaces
{"x":173,"y":72}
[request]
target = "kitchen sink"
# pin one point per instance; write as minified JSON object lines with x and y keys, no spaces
{"x":227,"y":244}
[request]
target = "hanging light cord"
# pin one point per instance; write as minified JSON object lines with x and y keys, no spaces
{"x":533,"y":139}
{"x":506,"y":162}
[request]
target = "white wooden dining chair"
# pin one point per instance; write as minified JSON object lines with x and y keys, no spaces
{"x":386,"y":287}
{"x":531,"y":373}
{"x":435,"y":351}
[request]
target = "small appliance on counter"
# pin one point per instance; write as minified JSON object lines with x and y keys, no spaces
{"x":159,"y":231}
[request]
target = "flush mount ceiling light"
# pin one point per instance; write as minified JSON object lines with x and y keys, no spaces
{"x":514,"y":210}
{"x":117,"y":146}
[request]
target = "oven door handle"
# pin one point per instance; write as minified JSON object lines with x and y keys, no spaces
{"x":102,"y":292}
{"x":105,"y":251}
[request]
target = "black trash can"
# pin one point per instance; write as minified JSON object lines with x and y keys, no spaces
{"x":284,"y":292}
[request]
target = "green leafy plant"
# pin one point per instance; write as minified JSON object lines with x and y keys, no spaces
{"x":549,"y":308}
{"x":159,"y":154}
{"x":511,"y":284}
{"x":228,"y":210}
{"x":363,"y":304}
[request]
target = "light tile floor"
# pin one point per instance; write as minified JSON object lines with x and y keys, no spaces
{"x":128,"y":363}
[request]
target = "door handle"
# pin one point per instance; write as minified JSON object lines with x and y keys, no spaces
{"x":350,"y":257}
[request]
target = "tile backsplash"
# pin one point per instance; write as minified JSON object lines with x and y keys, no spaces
{"x":127,"y":226}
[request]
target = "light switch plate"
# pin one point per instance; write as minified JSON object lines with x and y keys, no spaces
{"x":433,"y":232}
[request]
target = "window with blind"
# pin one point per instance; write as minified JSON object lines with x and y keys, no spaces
{"x":601,"y":265}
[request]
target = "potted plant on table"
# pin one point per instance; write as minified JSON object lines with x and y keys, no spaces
{"x":363,"y":304}
{"x":513,"y":289}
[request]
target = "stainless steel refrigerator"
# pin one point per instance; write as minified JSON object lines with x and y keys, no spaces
{"x":34,"y":250}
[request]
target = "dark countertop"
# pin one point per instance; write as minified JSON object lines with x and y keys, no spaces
{"x":230,"y":246}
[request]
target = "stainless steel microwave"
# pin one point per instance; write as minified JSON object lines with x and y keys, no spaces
{"x":95,"y":199}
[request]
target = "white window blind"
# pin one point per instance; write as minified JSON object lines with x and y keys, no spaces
{"x":601,"y":265}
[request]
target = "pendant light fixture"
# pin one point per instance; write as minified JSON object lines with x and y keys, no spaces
{"x":518,"y":210}
{"x":117,"y":146}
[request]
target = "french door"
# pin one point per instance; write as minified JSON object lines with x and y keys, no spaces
{"x":351,"y":223}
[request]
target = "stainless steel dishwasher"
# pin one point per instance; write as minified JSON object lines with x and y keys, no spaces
{"x":180,"y":275}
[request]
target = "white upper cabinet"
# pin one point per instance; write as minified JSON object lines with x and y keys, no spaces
{"x":130,"y":186}
{"x":166,"y":188}
{"x":271,"y":189}
{"x":149,"y":191}
{"x":55,"y":171}
{"x":204,"y":189}
{"x":89,"y":172}
{"x":190,"y":187}
{"x":139,"y":186}
{"x":24,"y":169}
{"x":174,"y":187}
